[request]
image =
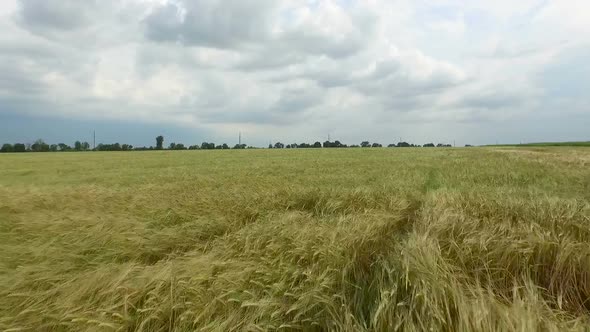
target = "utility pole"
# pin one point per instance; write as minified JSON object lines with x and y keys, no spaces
{"x":328,"y":137}
{"x":94,"y":140}
{"x":240,"y":139}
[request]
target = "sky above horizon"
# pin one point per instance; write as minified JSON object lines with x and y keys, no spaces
{"x":443,"y":71}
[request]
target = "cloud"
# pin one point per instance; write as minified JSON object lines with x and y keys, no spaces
{"x":292,"y":69}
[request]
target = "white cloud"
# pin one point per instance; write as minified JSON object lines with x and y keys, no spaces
{"x":291,"y":68}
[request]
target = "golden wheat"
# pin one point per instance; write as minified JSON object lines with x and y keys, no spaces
{"x":475,"y":239}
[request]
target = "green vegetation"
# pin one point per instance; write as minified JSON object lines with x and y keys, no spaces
{"x":573,"y":144}
{"x":475,"y":239}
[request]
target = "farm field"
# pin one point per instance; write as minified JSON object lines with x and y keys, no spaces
{"x":546,"y":144}
{"x":470,"y":239}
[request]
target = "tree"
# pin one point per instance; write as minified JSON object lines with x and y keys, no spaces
{"x":64,"y":147}
{"x":239,"y":146}
{"x":172,"y":146}
{"x":403,"y":145}
{"x":337,"y":144}
{"x":53,"y":148}
{"x":40,"y":146}
{"x":279,"y":145}
{"x":317,"y":145}
{"x":85,"y":146}
{"x":225,"y":146}
{"x":207,"y":146}
{"x":20,"y":147}
{"x":376,"y":145}
{"x":7,"y":148}
{"x":429,"y":145}
{"x":160,"y":142}
{"x":78,"y":146}
{"x":365,"y":144}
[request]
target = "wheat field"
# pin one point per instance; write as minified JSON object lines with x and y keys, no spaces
{"x":473,"y":239}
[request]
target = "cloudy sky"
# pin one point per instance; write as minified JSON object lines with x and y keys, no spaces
{"x":475,"y":72}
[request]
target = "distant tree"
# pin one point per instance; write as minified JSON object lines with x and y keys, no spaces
{"x":239,"y":146}
{"x":468,"y":145}
{"x":7,"y":148}
{"x":160,"y":142}
{"x":279,"y":145}
{"x":403,"y":145}
{"x":194,"y":147}
{"x":78,"y":146}
{"x":376,"y":145}
{"x":429,"y":145}
{"x":126,"y":147}
{"x":392,"y":145}
{"x":365,"y":144}
{"x":335,"y":144}
{"x":53,"y":148}
{"x":85,"y":146}
{"x":317,"y":145}
{"x":20,"y":147}
{"x":40,"y":146}
{"x":207,"y":146}
{"x":225,"y":146}
{"x":172,"y":146}
{"x":180,"y":146}
{"x":64,"y":147}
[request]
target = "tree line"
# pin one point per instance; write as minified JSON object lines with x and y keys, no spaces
{"x":40,"y":146}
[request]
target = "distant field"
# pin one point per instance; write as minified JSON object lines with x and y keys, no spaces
{"x":573,"y":144}
{"x":476,"y":239}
